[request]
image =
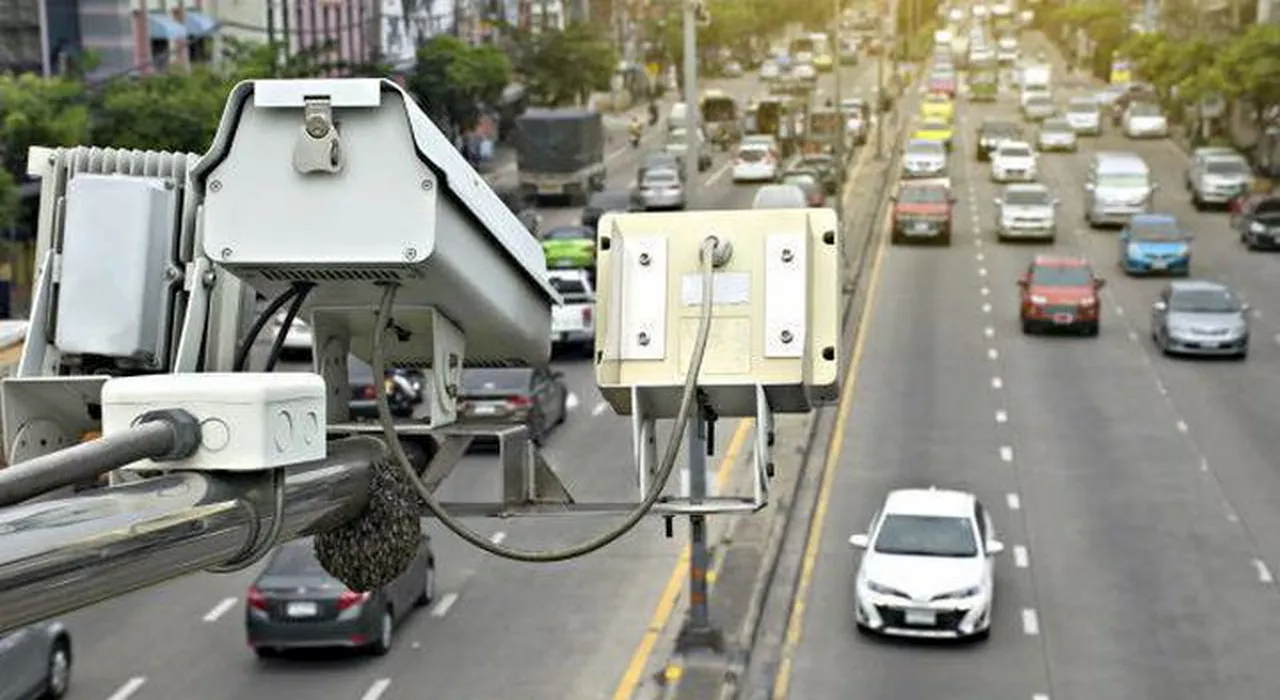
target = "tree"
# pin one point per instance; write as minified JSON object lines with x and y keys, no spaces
{"x":562,"y":67}
{"x":1248,"y":67}
{"x":35,"y":111}
{"x":451,"y":80}
{"x":1173,"y":66}
{"x":167,"y":112}
{"x":1106,"y":22}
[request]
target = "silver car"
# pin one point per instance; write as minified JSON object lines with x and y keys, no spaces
{"x":780,"y":197}
{"x":1039,"y":107}
{"x":1085,"y":116}
{"x":35,"y":661}
{"x":923,"y":158}
{"x":1215,"y":179}
{"x":1025,"y":212}
{"x":662,"y":189}
{"x":1057,"y":135}
{"x":1199,"y":317}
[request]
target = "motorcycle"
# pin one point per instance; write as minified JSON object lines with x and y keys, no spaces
{"x":635,"y":140}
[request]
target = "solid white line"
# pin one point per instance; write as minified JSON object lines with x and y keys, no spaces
{"x":993,"y":354}
{"x":1020,"y":557}
{"x":986,"y":308}
{"x":1181,"y":426}
{"x":985,"y":291}
{"x":442,"y":608}
{"x":1006,"y":453}
{"x":1002,"y":416}
{"x":220,"y":609}
{"x":498,"y":537}
{"x":128,"y":689}
{"x":571,"y":401}
{"x":996,"y":383}
{"x":982,"y":272}
{"x":1030,"y":622}
{"x":989,"y":332}
{"x":600,"y":408}
{"x":1264,"y":574}
{"x":376,"y":690}
{"x":1014,"y":502}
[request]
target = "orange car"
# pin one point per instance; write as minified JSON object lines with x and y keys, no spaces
{"x":1060,"y":292}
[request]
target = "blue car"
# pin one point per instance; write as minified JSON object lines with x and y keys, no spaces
{"x":1155,"y":244}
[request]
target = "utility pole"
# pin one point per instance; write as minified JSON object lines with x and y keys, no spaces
{"x":691,"y":103}
{"x":698,"y":633}
{"x":843,"y":134}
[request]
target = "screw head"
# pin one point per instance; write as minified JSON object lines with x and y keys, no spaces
{"x":786,"y":337}
{"x":787,"y":255}
{"x":410,"y":253}
{"x":226,"y":253}
{"x":426,"y":185}
{"x":642,"y":338}
{"x":215,"y":185}
{"x":644,"y":259}
{"x":317,"y":126}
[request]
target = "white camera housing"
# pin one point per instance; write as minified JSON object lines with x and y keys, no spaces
{"x":346,"y":183}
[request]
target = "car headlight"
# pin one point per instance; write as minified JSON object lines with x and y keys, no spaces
{"x":1257,"y":227}
{"x":1135,"y":251}
{"x":1088,"y":302}
{"x":885,"y":590}
{"x":969,"y":592}
{"x":1039,"y":300}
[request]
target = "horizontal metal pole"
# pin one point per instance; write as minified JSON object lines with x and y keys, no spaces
{"x":60,"y":555}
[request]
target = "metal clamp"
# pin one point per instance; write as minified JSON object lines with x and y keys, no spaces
{"x":318,"y":148}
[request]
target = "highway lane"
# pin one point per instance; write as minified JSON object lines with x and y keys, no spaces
{"x":496,"y":625}
{"x":1132,"y":491}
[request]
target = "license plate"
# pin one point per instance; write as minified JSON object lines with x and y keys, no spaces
{"x":920,"y":228}
{"x":1159,"y":265}
{"x":485,"y":410}
{"x":301,"y":609}
{"x":1063,"y":318}
{"x":548,"y":189}
{"x":921,"y":617}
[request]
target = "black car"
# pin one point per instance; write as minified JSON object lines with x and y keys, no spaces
{"x":296,"y":604}
{"x":602,"y":203}
{"x":535,"y":398}
{"x":992,"y":133}
{"x":1257,"y":218}
{"x":404,"y":390}
{"x":823,"y":165}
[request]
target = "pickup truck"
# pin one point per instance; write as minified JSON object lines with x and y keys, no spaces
{"x":573,"y":322}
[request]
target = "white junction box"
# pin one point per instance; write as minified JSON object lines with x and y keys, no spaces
{"x":248,"y":420}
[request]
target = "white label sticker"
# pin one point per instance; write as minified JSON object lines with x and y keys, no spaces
{"x":727,"y":288}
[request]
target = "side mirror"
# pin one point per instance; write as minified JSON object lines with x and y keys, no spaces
{"x":1155,"y":186}
{"x":1244,"y":308}
{"x":994,"y":547}
{"x":1160,"y":306}
{"x":1099,"y":283}
{"x":1056,"y":202}
{"x":997,"y":201}
{"x":859,"y":541}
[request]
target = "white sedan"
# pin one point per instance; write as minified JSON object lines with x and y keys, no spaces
{"x":928,"y":567}
{"x":1143,"y":120}
{"x":755,"y":163}
{"x":1014,"y":161}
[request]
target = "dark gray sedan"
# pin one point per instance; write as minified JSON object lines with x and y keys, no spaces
{"x":35,"y":662}
{"x":296,"y":604}
{"x":1200,"y":317}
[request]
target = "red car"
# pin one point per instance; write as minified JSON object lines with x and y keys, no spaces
{"x":922,"y":212}
{"x":1060,"y":293}
{"x":944,"y":83}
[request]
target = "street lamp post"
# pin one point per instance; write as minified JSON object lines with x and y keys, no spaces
{"x":690,"y":29}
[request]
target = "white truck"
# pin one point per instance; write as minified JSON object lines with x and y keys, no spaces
{"x":573,"y":325}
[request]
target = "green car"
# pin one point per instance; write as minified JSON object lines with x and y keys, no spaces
{"x":570,"y":247}
{"x":983,"y":87}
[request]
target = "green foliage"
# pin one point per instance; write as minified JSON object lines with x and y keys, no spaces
{"x":8,"y":199}
{"x":1172,"y":65}
{"x":451,"y":79}
{"x":1249,"y":66}
{"x":562,"y":68}
{"x":169,"y":112}
{"x":1105,"y":21}
{"x":1246,"y":66}
{"x":35,"y":111}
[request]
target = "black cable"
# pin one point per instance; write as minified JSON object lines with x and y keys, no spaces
{"x":246,"y":346}
{"x":302,"y":289}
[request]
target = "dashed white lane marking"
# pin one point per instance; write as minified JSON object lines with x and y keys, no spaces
{"x":1181,"y":426}
{"x":986,"y":308}
{"x":127,"y":690}
{"x":571,"y":401}
{"x":1264,"y":574}
{"x":376,"y":690}
{"x":600,"y":408}
{"x":1039,"y":696}
{"x":1030,"y":622}
{"x":715,"y":177}
{"x":1020,"y":557}
{"x":498,"y":537}
{"x":989,"y":332}
{"x":985,"y":291}
{"x":1133,"y":336}
{"x":1232,"y":517}
{"x":1006,"y":453}
{"x":982,"y":272}
{"x":1160,"y":387}
{"x":1119,"y":310}
{"x":993,"y":354}
{"x":996,"y":382}
{"x":1204,"y":464}
{"x":979,"y":256}
{"x":442,"y":608}
{"x":1014,"y":502}
{"x":1002,"y":416}
{"x":219,"y":610}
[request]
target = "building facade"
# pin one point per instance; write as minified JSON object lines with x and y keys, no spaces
{"x":347,"y":30}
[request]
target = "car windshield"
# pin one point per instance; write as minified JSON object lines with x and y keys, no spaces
{"x":778,"y":196}
{"x":1060,"y":276}
{"x":926,"y":536}
{"x":1206,"y":301}
{"x":918,"y":147}
{"x":937,"y":100}
{"x":569,"y":233}
{"x":296,"y":559}
{"x":1039,"y":100}
{"x":1123,"y":180}
{"x":1144,"y":109}
{"x":934,"y":125}
{"x":483,"y":381}
{"x":923,"y":195}
{"x":1015,"y":152}
{"x":1082,"y":108}
{"x":998,"y":129}
{"x":1158,"y":230}
{"x":1056,"y":126}
{"x":1227,"y":167}
{"x":568,"y":287}
{"x":661,"y":179}
{"x":677,"y":137}
{"x":1027,"y":198}
{"x":801,"y":180}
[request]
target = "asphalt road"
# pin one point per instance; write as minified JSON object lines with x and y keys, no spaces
{"x":498,"y":629}
{"x":1136,"y":494}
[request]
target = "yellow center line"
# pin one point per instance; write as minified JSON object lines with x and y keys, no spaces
{"x":666,"y":607}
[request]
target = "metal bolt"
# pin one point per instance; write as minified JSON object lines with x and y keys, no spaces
{"x":426,"y":185}
{"x":215,"y":185}
{"x":410,"y":253}
{"x":208,"y":278}
{"x":787,"y":255}
{"x":317,"y":126}
{"x":226,"y":253}
{"x":643,"y":338}
{"x":786,"y":337}
{"x":171,"y":273}
{"x":644,"y":259}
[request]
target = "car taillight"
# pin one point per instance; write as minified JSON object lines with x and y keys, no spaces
{"x":350,"y":599}
{"x":368,"y":392}
{"x":256,"y":600}
{"x":519,"y":401}
{"x":586,"y":315}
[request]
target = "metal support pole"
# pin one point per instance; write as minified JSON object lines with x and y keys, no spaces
{"x":698,"y":632}
{"x":843,"y":134}
{"x":691,"y":102}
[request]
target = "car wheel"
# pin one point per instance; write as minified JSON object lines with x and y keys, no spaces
{"x":59,"y":670}
{"x":1196,"y":203}
{"x":266,"y":652}
{"x":386,"y":634}
{"x":1027,"y":327}
{"x":1243,"y":355}
{"x":428,"y":593}
{"x":982,"y":635}
{"x":1092,"y":329}
{"x":564,"y":409}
